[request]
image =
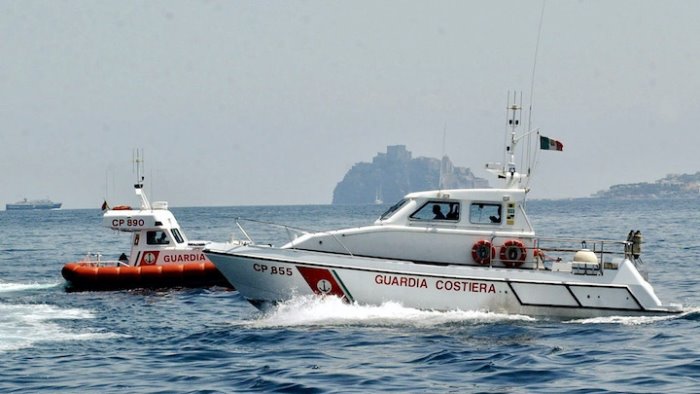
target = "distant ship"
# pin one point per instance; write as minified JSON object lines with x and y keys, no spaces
{"x":33,"y":204}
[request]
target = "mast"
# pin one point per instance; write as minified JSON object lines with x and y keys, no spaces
{"x":514,"y":117}
{"x":138,"y":186}
{"x":508,"y":170}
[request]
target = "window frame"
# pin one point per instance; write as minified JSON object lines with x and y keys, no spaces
{"x":177,"y":236}
{"x":156,"y":236}
{"x":393,"y":209}
{"x":488,"y":220}
{"x":442,"y":204}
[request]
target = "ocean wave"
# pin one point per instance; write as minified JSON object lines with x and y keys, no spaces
{"x":692,"y":314}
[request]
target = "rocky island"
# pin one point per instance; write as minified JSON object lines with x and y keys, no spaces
{"x":393,"y":174}
{"x":672,"y":186}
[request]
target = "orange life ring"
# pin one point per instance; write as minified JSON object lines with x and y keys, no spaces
{"x":482,"y":252}
{"x":513,"y":253}
{"x":121,"y":208}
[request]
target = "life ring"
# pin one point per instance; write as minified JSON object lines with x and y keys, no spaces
{"x":482,"y":252}
{"x":121,"y":208}
{"x":513,"y":253}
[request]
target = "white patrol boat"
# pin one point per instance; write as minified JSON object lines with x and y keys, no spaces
{"x":161,"y":256}
{"x":471,"y":249}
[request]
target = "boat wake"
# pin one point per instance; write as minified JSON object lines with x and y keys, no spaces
{"x":332,"y":311}
{"x":14,"y":287}
{"x":691,"y":313}
{"x":24,"y":325}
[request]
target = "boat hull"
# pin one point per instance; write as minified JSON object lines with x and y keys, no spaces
{"x":88,"y":276}
{"x":268,"y":275}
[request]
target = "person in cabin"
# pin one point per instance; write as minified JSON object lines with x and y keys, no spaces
{"x":497,"y":217}
{"x":438,"y":212}
{"x":454,"y":212}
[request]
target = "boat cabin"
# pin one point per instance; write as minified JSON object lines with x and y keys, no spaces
{"x":156,"y":236}
{"x":463,"y":226}
{"x":475,"y":209}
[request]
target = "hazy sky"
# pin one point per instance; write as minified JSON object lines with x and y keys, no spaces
{"x":253,"y":102}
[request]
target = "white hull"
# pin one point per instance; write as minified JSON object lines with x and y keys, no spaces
{"x":266,"y":275}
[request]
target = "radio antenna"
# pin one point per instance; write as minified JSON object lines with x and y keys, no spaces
{"x":441,"y":181}
{"x":138,"y":160}
{"x":532,"y":91}
{"x":534,"y":68}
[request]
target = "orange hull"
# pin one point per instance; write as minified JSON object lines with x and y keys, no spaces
{"x":85,"y":276}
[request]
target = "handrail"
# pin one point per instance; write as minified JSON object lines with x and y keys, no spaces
{"x":600,"y":247}
{"x":98,"y":262}
{"x":275,"y":224}
{"x":341,"y":244}
{"x":243,"y":231}
{"x":591,"y":240}
{"x":572,"y":250}
{"x":532,"y":243}
{"x":284,"y":226}
{"x":287,"y":229}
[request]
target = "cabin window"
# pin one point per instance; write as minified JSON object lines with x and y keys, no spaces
{"x":483,"y":213}
{"x":159,"y":237}
{"x":177,"y":236}
{"x":392,"y":209}
{"x":437,"y":210}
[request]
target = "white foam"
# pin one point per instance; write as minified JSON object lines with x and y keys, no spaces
{"x":313,"y":311}
{"x":633,"y":320}
{"x":41,"y":312}
{"x":24,"y":325}
{"x":14,"y":287}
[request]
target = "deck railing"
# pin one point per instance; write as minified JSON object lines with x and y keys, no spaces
{"x":95,"y":259}
{"x":540,"y":251}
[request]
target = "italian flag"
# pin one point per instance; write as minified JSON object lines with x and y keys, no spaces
{"x":550,"y":144}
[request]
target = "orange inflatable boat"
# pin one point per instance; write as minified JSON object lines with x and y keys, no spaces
{"x":161,"y":256}
{"x":89,"y":276}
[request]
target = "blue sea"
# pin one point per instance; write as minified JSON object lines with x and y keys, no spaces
{"x":213,"y":341}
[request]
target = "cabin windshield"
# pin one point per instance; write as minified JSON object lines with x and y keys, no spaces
{"x":437,"y":210}
{"x":389,"y":212}
{"x":485,"y":213}
{"x":159,"y":237}
{"x":177,"y":236}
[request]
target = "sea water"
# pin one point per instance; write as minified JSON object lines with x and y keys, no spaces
{"x":212,"y":340}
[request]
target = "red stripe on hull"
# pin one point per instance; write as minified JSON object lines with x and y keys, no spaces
{"x":321,"y":281}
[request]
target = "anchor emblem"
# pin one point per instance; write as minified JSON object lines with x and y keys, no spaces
{"x":324,"y":286}
{"x":149,"y":258}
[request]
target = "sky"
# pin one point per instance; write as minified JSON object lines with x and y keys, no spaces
{"x":271,"y":103}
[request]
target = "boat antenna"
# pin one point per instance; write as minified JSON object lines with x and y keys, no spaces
{"x":106,"y":183}
{"x":441,"y":181}
{"x":530,"y":160}
{"x":138,"y":160}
